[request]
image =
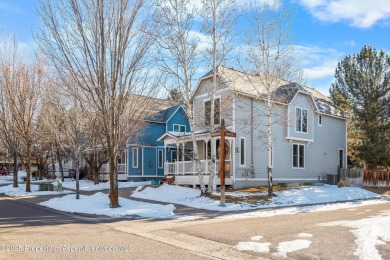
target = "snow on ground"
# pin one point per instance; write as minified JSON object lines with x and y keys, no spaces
{"x":99,"y":204}
{"x":304,"y":235}
{"x":87,"y":185}
{"x":301,"y":196}
{"x":9,"y":190}
{"x":253,"y":246}
{"x":283,"y":247}
{"x":369,"y":232}
{"x":296,"y":210}
{"x":291,"y":246}
{"x":4,"y":179}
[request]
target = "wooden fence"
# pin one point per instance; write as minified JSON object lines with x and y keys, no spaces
{"x":360,"y":177}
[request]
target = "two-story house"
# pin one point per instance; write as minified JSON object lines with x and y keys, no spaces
{"x":146,"y":155}
{"x":309,"y":134}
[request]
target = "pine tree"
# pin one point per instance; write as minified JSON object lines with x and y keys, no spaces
{"x":362,"y":86}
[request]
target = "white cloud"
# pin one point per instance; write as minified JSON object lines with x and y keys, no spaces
{"x":318,"y":62}
{"x":357,"y":13}
{"x":323,"y":71}
{"x":350,"y":43}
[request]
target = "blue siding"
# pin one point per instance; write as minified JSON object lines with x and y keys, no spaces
{"x":151,"y":133}
{"x":178,"y":118}
{"x":148,"y":146}
{"x":150,"y":161}
{"x":134,"y":171}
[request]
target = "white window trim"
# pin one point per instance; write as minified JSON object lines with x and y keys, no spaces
{"x":307,"y":119}
{"x":134,"y":151}
{"x":158,"y":158}
{"x":292,"y":157}
{"x":319,"y":121}
{"x":220,"y":108}
{"x":243,"y":138}
{"x":178,"y":125}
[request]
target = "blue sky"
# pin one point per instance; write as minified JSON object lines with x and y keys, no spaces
{"x":325,"y":31}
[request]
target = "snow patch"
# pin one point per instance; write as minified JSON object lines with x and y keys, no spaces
{"x":291,"y":246}
{"x":304,"y":235}
{"x":296,"y":210}
{"x":86,"y":185}
{"x":98,"y":204}
{"x":9,"y":190}
{"x":369,"y":232}
{"x":307,"y":195}
{"x":253,"y":246}
{"x":256,"y":238}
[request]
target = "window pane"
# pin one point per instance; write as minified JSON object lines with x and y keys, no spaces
{"x":319,"y":119}
{"x":304,"y":120}
{"x":295,"y":155}
{"x":242,"y":159}
{"x":298,"y":119}
{"x":175,"y":128}
{"x":182,"y":128}
{"x":207,"y":112}
{"x":341,"y":158}
{"x":135,"y":158}
{"x":160,"y":159}
{"x":217,"y":111}
{"x":301,"y":156}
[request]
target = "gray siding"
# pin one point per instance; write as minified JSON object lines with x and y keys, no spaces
{"x":321,"y":156}
{"x":199,"y":106}
{"x":302,"y":101}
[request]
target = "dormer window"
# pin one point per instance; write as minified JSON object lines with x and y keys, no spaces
{"x":301,"y":120}
{"x":179,"y":128}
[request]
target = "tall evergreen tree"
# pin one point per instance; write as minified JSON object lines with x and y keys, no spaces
{"x":362,"y":86}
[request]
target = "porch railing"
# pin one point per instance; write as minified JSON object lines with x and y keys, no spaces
{"x":188,"y":167}
{"x":121,"y":168}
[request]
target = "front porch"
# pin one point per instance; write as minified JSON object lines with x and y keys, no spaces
{"x":184,"y":168}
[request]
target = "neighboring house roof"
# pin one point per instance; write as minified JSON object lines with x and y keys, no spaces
{"x":247,"y":84}
{"x":164,"y":115}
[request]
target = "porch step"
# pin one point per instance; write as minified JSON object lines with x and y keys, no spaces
{"x":167,"y":179}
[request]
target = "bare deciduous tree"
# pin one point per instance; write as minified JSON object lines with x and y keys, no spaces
{"x":20,"y":93}
{"x":99,"y":50}
{"x":269,"y":56}
{"x":219,"y":18}
{"x":178,"y":57}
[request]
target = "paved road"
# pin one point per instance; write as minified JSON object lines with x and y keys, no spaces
{"x":33,"y":232}
{"x":37,"y":228}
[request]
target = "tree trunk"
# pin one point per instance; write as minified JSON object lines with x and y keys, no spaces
{"x":52,"y":164}
{"x":114,"y":193}
{"x":95,"y":174}
{"x":16,"y":170}
{"x":59,"y":159}
{"x":28,"y":169}
{"x":269,"y":146}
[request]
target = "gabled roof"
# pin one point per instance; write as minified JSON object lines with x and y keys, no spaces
{"x":247,"y":84}
{"x":164,"y":115}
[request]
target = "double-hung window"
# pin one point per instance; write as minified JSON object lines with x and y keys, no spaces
{"x":301,"y":120}
{"x":298,"y":156}
{"x":217,"y":112}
